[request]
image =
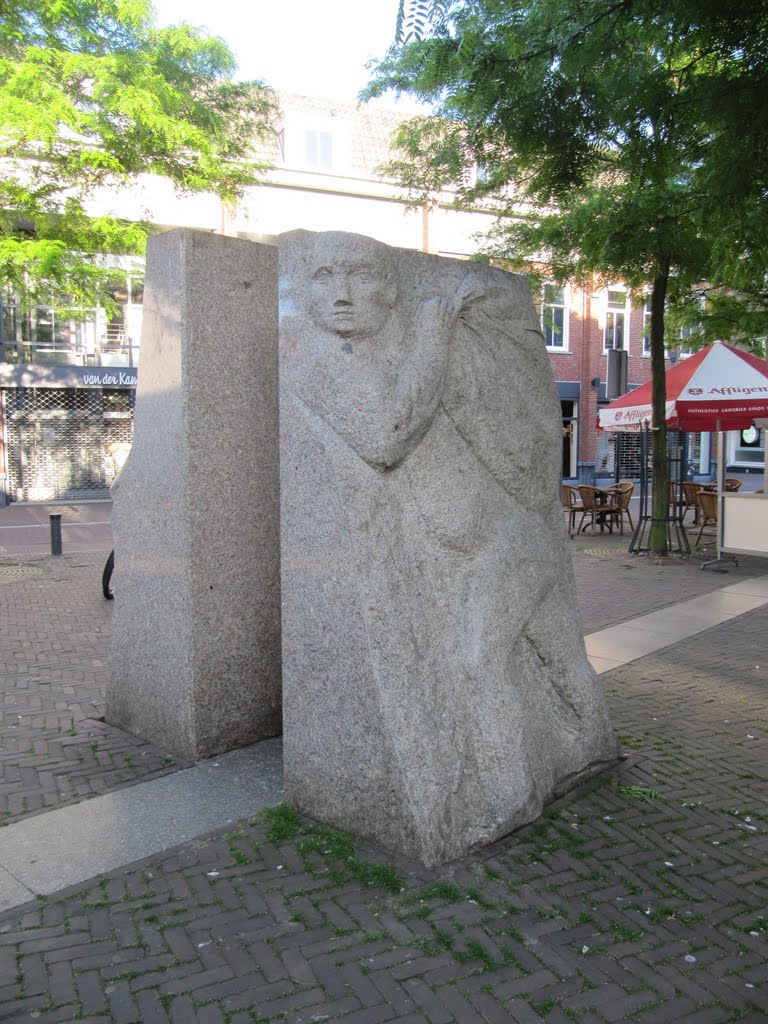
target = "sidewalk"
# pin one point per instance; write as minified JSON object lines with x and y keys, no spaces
{"x":641,"y":898}
{"x":26,"y":529}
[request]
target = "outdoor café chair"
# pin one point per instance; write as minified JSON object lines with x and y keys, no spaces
{"x":707,"y":510}
{"x":572,"y":504}
{"x":623,"y":491}
{"x":690,"y":500}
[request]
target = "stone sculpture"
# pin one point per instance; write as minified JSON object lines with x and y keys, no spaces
{"x":195,"y":660}
{"x":436,"y":690}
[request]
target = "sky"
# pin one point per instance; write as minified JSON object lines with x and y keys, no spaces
{"x":315,"y":47}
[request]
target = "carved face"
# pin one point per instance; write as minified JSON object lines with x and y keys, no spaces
{"x":351,"y":285}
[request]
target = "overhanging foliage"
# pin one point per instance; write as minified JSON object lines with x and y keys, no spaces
{"x":92,"y":95}
{"x":624,"y":139}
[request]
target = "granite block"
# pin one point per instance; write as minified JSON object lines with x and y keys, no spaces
{"x":195,"y":659}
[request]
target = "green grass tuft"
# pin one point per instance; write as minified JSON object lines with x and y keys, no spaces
{"x":641,"y":793}
{"x":283,"y":822}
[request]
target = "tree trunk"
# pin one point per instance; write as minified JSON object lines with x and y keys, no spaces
{"x":659,"y":425}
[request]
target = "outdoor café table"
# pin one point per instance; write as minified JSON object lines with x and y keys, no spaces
{"x":608,"y":496}
{"x":606,"y":506}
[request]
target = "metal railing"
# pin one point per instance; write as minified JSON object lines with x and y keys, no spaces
{"x":113,"y":348}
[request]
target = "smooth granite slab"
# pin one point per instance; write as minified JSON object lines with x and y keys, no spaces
{"x":52,"y":851}
{"x":12,"y":892}
{"x":195,"y":657}
{"x":626,"y":641}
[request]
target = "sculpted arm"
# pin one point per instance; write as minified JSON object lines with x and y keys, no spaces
{"x":420,"y":381}
{"x":406,"y":414}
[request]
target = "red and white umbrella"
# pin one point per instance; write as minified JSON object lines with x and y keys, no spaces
{"x":717,"y":388}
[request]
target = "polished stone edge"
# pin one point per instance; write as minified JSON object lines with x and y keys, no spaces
{"x":624,"y":642}
{"x":53,"y":851}
{"x":12,"y":892}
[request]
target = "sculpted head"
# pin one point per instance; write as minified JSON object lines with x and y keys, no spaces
{"x":352,"y":284}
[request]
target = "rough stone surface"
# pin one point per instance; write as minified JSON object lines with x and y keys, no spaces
{"x":436,"y":688}
{"x":195,"y":663}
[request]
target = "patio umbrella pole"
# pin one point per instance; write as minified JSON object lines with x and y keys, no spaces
{"x":720,"y":503}
{"x":677,"y":538}
{"x":636,"y":544}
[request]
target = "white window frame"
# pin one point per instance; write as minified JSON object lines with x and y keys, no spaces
{"x":734,"y":448}
{"x":682,"y":353}
{"x":684,"y":350}
{"x":318,"y":152}
{"x":299,"y":131}
{"x":548,"y":321}
{"x":647,"y":327}
{"x":612,"y":312}
{"x":685,"y":333}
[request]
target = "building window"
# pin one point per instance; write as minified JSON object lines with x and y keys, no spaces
{"x":554,"y":317}
{"x":748,"y":447}
{"x":687,"y":335}
{"x":31,"y":334}
{"x":681,"y":351}
{"x":319,"y":150}
{"x":647,"y":326}
{"x":615,"y":334}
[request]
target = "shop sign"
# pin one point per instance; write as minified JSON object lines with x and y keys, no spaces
{"x":32,"y":376}
{"x":110,"y":378}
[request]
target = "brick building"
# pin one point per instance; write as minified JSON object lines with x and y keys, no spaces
{"x":67,"y":384}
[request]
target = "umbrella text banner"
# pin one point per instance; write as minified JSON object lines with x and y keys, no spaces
{"x":719,"y":387}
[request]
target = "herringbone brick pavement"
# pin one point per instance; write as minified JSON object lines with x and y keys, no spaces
{"x":614,"y":586}
{"x":641,"y":897}
{"x":55,"y":747}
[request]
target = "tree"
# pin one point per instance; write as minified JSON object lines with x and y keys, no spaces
{"x":606,"y":131}
{"x":93,"y":94}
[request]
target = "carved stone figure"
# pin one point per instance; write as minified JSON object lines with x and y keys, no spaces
{"x":435,"y":684}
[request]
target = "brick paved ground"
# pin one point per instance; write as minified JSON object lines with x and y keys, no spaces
{"x":642,"y":898}
{"x":54,"y":745}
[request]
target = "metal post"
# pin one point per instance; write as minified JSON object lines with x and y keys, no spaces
{"x":55,"y":518}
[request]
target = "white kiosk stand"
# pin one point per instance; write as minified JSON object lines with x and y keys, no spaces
{"x":742,"y":525}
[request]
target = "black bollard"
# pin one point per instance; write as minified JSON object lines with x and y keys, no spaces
{"x":55,"y":533}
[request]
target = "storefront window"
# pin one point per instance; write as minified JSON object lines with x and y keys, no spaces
{"x":749,"y":447}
